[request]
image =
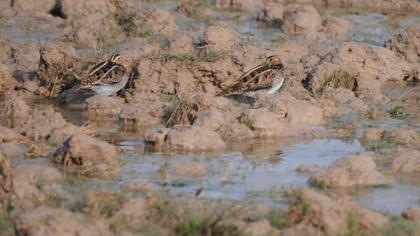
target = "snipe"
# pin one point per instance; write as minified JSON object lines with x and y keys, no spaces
{"x":267,"y":77}
{"x":106,"y":77}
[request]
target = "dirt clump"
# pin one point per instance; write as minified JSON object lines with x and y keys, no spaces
{"x":358,"y":67}
{"x":138,"y":115}
{"x":181,"y":44}
{"x":131,"y":216}
{"x":55,"y":221}
{"x":14,"y":110}
{"x":195,"y":9}
{"x":157,"y":21}
{"x":102,"y":105}
{"x":330,"y":215}
{"x":406,"y":161}
{"x":7,"y":82}
{"x":291,"y":51}
{"x":41,"y":124}
{"x":337,"y":28}
{"x":95,"y":23}
{"x":25,"y":56}
{"x":352,"y":170}
{"x":38,"y":6}
{"x":185,"y":138}
{"x":89,"y":156}
{"x":263,"y":122}
{"x":261,"y":228}
{"x":103,"y":203}
{"x":372,"y":135}
{"x":220,"y":37}
{"x":406,"y":43}
{"x":35,"y":183}
{"x":403,"y":136}
{"x":412,"y":213}
{"x":193,"y":138}
{"x":9,"y":135}
{"x":304,"y":112}
{"x":212,"y":119}
{"x":272,"y":14}
{"x":300,"y":18}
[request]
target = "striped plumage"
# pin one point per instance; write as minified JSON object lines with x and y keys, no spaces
{"x":267,"y":77}
{"x":106,"y":77}
{"x":7,"y":82}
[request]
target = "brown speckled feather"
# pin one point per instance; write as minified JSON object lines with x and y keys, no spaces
{"x":105,"y":72}
{"x":261,"y":77}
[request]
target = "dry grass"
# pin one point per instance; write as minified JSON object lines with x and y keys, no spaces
{"x":339,"y":79}
{"x":184,"y":113}
{"x":55,"y":77}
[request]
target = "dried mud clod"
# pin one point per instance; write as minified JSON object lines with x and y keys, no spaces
{"x":7,"y":82}
{"x":338,"y":78}
{"x":13,"y":110}
{"x":89,"y":156}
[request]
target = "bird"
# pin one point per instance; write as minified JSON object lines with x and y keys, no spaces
{"x":268,"y":77}
{"x":106,"y":77}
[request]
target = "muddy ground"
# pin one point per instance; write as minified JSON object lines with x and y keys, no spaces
{"x":335,"y":152}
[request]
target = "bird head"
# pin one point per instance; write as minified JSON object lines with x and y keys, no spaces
{"x":116,"y":58}
{"x":273,"y":62}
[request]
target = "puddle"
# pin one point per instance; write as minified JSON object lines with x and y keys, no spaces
{"x":257,"y":176}
{"x":254,"y":176}
{"x":392,"y":200}
{"x":370,"y":28}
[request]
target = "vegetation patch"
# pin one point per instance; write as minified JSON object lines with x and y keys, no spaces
{"x":185,"y":112}
{"x":399,"y":113}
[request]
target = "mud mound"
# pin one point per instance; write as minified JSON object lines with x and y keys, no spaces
{"x":8,"y":135}
{"x":41,"y":123}
{"x":89,"y":156}
{"x":406,"y":161}
{"x":334,"y":77}
{"x":406,"y":43}
{"x":185,"y":138}
{"x":300,"y":18}
{"x":353,"y":170}
{"x":48,"y":222}
{"x":7,"y":82}
{"x":330,"y":215}
{"x":14,"y":110}
{"x":36,"y":182}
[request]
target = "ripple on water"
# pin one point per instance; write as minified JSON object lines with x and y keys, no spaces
{"x":239,"y":175}
{"x":257,"y":176}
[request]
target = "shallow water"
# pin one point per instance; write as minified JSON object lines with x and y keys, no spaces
{"x":255,"y":176}
{"x":369,"y":28}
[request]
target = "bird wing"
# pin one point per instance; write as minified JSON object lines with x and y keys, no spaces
{"x":107,"y":74}
{"x":259,"y":77}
